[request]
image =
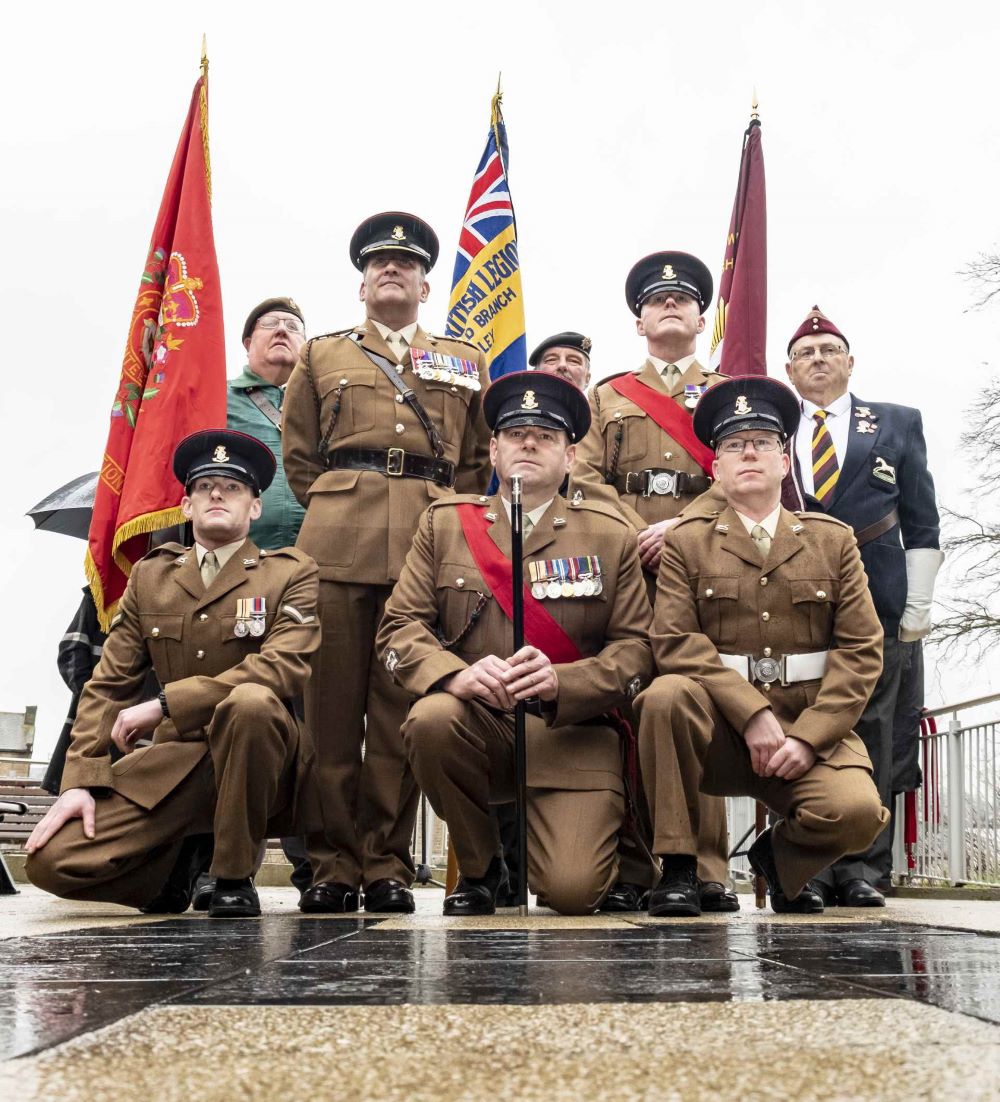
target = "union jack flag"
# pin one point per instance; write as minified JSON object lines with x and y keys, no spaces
{"x":486,"y":305}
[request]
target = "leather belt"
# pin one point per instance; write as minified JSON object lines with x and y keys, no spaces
{"x":394,"y":463}
{"x":788,"y":669}
{"x":880,"y":527}
{"x":661,"y":480}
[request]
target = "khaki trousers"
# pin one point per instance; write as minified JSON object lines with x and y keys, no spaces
{"x":686,"y":747}
{"x":463,"y":757}
{"x":246,"y":777}
{"x":369,"y":805}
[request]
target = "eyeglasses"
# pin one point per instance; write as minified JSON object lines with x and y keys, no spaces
{"x":737,"y":447}
{"x":271,"y":321}
{"x":826,"y":351}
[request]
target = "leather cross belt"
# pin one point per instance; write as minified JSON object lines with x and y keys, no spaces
{"x":661,"y":480}
{"x":394,"y":463}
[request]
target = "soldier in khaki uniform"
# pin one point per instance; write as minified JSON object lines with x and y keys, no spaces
{"x":228,"y":631}
{"x":447,"y":637}
{"x":769,"y":647}
{"x":645,"y":464}
{"x":366,"y":453}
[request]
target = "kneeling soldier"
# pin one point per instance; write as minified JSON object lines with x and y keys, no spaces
{"x":447,"y":638}
{"x":769,"y":645}
{"x":228,"y":631}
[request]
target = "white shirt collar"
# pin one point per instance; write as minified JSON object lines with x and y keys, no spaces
{"x":223,"y":554}
{"x":769,"y":523}
{"x":534,"y":516}
{"x":837,"y":408}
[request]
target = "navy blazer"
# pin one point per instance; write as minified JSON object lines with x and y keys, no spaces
{"x":884,"y":470}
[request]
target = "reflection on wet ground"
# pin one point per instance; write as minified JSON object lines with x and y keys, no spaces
{"x":57,"y":986}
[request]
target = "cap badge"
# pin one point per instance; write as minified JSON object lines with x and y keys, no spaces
{"x":586,"y":344}
{"x":220,"y":455}
{"x":742,"y":405}
{"x":397,"y":233}
{"x":668,"y":271}
{"x":528,"y":401}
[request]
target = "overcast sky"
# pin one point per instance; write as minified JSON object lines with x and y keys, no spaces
{"x":625,"y":122}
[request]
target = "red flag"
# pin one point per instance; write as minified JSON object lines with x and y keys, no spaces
{"x":739,"y":337}
{"x":173,"y":377}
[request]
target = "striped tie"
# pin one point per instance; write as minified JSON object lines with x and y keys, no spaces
{"x":826,"y":471}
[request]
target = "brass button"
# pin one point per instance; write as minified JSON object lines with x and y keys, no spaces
{"x":668,"y":455}
{"x":765,"y":616}
{"x":821,"y":593}
{"x":763,"y":581}
{"x":454,"y":390}
{"x":203,"y":617}
{"x":399,"y":398}
{"x":618,"y":414}
{"x":709,"y":592}
{"x":200,"y":654}
{"x":343,"y":382}
{"x":766,"y":686}
{"x":399,"y":429}
{"x":767,"y":652}
{"x":155,"y":631}
{"x":459,"y":582}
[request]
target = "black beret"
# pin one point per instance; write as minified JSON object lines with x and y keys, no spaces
{"x":746,"y":402}
{"x":285,"y":305}
{"x":562,"y":340}
{"x":395,"y":230}
{"x":224,"y":452}
{"x":536,"y":398}
{"x":670,"y":271}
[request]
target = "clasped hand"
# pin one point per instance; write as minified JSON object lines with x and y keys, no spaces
{"x":772,"y":752}
{"x":501,"y":683}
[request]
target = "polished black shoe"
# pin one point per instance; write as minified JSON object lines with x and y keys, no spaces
{"x":203,"y":889}
{"x":330,"y":898}
{"x":389,"y":897}
{"x":477,"y":895}
{"x":859,"y":893}
{"x":676,"y":895}
{"x":174,"y":897}
{"x":234,"y":899}
{"x":625,"y":897}
{"x":716,"y":898}
{"x":761,"y":858}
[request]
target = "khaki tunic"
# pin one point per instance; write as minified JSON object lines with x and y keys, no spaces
{"x":358,"y":527}
{"x":226,"y":695}
{"x":442,"y":617}
{"x":715,"y":594}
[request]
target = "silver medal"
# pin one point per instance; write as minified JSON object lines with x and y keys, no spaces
{"x":240,"y":628}
{"x":538,"y":591}
{"x":257,"y":626}
{"x":554,"y":590}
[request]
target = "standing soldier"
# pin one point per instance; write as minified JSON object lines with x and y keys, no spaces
{"x":379,"y":421}
{"x":641,"y":456}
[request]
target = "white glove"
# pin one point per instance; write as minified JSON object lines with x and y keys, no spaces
{"x":922,"y":565}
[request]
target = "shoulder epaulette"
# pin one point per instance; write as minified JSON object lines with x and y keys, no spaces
{"x":266,"y":553}
{"x":582,"y":504}
{"x":167,"y":549}
{"x":807,"y":514}
{"x":335,"y":333}
{"x":459,"y":499}
{"x":617,"y":375}
{"x":454,"y":340}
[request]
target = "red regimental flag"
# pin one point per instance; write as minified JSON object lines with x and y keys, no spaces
{"x":739,"y":336}
{"x":173,"y":377}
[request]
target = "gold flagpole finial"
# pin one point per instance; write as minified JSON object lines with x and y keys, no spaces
{"x":495,"y":106}
{"x":754,"y":113}
{"x":204,"y":55}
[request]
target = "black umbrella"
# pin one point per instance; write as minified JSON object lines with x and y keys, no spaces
{"x":68,"y":509}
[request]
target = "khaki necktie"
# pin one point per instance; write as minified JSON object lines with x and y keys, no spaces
{"x":209,"y":568}
{"x":760,"y":537}
{"x":526,"y":525}
{"x":670,"y":373}
{"x":397,"y":343}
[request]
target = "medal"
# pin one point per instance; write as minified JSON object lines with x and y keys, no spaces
{"x":258,"y":613}
{"x":257,"y":626}
{"x":538,"y":591}
{"x":240,"y":628}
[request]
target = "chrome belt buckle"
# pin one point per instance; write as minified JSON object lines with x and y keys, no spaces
{"x":394,"y":463}
{"x":767,"y":670}
{"x":663,"y":482}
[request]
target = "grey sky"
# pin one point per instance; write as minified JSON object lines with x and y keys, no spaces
{"x":879,"y":133}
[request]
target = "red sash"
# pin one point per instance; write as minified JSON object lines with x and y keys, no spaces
{"x":540,"y":630}
{"x":668,"y":415}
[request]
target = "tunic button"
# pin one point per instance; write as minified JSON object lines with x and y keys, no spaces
{"x":767,"y":652}
{"x":821,"y":593}
{"x":765,"y":616}
{"x":459,"y":582}
{"x":155,"y":631}
{"x":200,"y":654}
{"x":454,"y":390}
{"x":709,"y":592}
{"x":399,"y":429}
{"x":766,"y":686}
{"x":203,"y":617}
{"x":343,"y":382}
{"x":763,"y":581}
{"x":399,"y":398}
{"x":668,"y":455}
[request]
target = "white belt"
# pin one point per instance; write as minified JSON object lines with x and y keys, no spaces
{"x":787,"y":669}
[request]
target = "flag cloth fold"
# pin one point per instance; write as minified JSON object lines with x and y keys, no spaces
{"x":486,"y":306}
{"x":739,"y":337}
{"x":173,"y":376}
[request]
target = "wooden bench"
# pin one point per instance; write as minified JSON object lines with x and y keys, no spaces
{"x":14,"y":829}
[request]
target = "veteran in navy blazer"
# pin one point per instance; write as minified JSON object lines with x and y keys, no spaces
{"x":865,"y":463}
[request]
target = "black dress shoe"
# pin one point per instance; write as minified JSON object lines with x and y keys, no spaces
{"x":477,"y":895}
{"x":859,"y":893}
{"x":330,"y":898}
{"x":203,"y":889}
{"x":625,"y":897}
{"x":761,"y":858}
{"x":676,"y":895}
{"x":389,"y":897}
{"x":234,"y":899}
{"x":174,"y":897}
{"x":716,"y":898}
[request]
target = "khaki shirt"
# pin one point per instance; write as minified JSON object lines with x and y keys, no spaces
{"x":442,"y":617}
{"x":716,"y":594}
{"x":359,"y":524}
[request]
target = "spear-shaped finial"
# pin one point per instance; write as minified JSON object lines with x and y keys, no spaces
{"x":754,"y":113}
{"x":204,"y":55}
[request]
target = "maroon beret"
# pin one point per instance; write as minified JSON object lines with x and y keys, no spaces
{"x":817,"y":322}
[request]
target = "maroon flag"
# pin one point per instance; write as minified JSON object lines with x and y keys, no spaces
{"x":739,"y":337}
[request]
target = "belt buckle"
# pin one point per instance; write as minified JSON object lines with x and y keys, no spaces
{"x":628,"y":481}
{"x":664,"y":482}
{"x":394,"y":463}
{"x":768,"y":670}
